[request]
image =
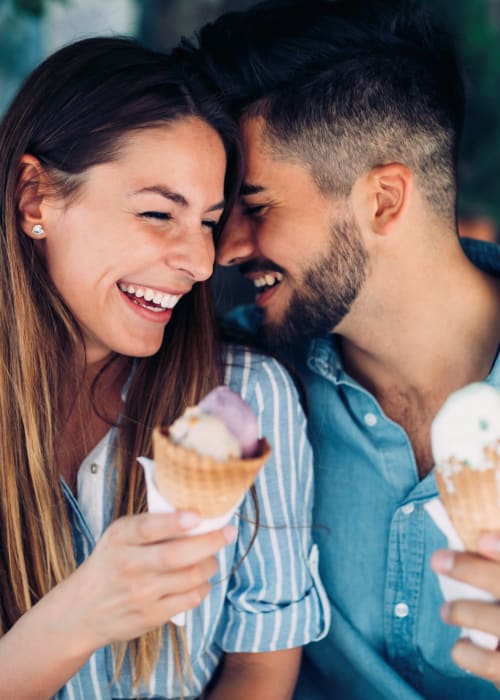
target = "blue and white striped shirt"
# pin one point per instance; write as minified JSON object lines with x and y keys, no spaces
{"x":274,"y":599}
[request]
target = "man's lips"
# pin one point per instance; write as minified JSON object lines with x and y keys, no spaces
{"x":264,"y":295}
{"x":263,"y":275}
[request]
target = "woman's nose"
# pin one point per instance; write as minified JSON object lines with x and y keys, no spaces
{"x":194,"y":254}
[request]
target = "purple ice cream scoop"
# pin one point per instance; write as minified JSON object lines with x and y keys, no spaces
{"x":236,"y":414}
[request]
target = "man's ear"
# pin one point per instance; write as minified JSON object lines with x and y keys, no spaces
{"x":31,"y":184}
{"x":389,"y":189}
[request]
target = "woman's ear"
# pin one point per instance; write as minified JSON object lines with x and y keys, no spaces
{"x":29,"y":195}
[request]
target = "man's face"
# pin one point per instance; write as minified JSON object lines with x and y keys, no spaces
{"x":302,"y":250}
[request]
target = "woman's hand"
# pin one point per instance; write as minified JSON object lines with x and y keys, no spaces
{"x":482,"y":571}
{"x":143,"y":571}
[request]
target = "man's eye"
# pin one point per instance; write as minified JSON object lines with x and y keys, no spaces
{"x":254,"y":210}
{"x":161,"y":215}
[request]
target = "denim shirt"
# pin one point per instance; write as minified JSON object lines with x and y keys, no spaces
{"x":386,"y":640}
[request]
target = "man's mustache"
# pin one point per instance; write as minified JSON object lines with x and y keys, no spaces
{"x":259,"y":266}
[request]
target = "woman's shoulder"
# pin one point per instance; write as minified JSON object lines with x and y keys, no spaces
{"x":247,"y":365}
{"x":259,"y":377}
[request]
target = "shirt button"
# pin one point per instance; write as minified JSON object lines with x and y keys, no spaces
{"x":94,"y":468}
{"x":408,"y":508}
{"x":401,"y":610}
{"x":370,"y":419}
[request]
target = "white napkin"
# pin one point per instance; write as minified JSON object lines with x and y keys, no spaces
{"x":452,"y":589}
{"x":157,"y":504}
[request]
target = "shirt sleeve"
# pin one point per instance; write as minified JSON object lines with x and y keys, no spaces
{"x":274,"y":599}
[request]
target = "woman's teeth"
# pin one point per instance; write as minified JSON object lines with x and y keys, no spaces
{"x":164,"y":301}
{"x":268,"y":280}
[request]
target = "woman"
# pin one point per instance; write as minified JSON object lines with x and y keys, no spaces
{"x":115,"y":172}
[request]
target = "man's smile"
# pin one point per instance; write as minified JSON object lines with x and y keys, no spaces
{"x":267,"y":279}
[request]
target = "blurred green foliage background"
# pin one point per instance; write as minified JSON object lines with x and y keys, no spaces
{"x":27,"y":35}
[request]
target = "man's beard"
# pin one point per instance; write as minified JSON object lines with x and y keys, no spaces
{"x":328,"y":291}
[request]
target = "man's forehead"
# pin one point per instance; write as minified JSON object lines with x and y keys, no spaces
{"x":267,"y":171}
{"x":257,"y":156}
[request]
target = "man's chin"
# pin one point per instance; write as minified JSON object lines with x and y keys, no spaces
{"x":279,"y":335}
{"x":297,"y":327}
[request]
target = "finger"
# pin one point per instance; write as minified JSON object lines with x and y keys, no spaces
{"x":489,"y":545}
{"x":150,"y":589}
{"x":172,"y":605}
{"x":162,"y":610}
{"x":179,"y":553}
{"x":481,"y":662}
{"x":470,"y":568}
{"x":182,"y":580}
{"x":147,"y":528}
{"x":474,"y":614}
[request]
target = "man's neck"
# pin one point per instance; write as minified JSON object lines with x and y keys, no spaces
{"x":441,"y":330}
{"x":437,"y":335}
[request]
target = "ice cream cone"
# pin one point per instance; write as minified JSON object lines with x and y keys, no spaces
{"x":470,"y":495}
{"x":189,"y":480}
{"x":465,"y":436}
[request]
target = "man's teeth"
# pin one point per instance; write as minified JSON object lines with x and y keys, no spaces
{"x":268,"y":280}
{"x":165,"y":301}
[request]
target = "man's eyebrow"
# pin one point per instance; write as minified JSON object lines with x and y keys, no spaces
{"x":248,"y":189}
{"x":174,"y":196}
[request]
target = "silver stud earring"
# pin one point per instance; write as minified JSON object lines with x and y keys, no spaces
{"x":38,"y":230}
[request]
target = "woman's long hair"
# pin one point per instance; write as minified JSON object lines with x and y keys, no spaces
{"x":72,"y":113}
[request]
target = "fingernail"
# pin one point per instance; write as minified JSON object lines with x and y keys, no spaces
{"x":445,"y":611}
{"x":442,"y":561}
{"x":188,"y":520}
{"x":489,"y":542}
{"x":229,"y":533}
{"x":465,"y":654}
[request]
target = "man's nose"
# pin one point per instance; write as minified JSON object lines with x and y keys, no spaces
{"x":236,"y":242}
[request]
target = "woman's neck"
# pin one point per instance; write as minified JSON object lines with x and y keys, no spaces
{"x":90,"y":413}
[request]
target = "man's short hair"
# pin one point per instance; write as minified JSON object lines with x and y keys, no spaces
{"x":345,"y":86}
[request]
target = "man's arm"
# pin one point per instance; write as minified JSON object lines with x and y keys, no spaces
{"x":268,"y":676}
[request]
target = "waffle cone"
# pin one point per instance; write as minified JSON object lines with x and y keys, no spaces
{"x":472,"y":500}
{"x":191,"y":481}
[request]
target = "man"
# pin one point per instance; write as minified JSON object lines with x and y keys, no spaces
{"x":351,"y":114}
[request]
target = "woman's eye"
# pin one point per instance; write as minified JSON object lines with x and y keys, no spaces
{"x":160,"y":215}
{"x":211,"y":225}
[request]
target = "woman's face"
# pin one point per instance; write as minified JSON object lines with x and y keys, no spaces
{"x":138,"y":236}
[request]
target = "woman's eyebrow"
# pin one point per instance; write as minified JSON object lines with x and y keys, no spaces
{"x":164,"y":192}
{"x":219,"y":205}
{"x":173,"y":196}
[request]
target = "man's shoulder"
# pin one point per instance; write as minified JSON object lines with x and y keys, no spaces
{"x":483,"y":254}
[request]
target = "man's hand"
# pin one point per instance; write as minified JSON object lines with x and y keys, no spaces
{"x":482,"y":571}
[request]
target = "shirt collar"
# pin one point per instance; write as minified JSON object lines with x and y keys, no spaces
{"x":324,"y":358}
